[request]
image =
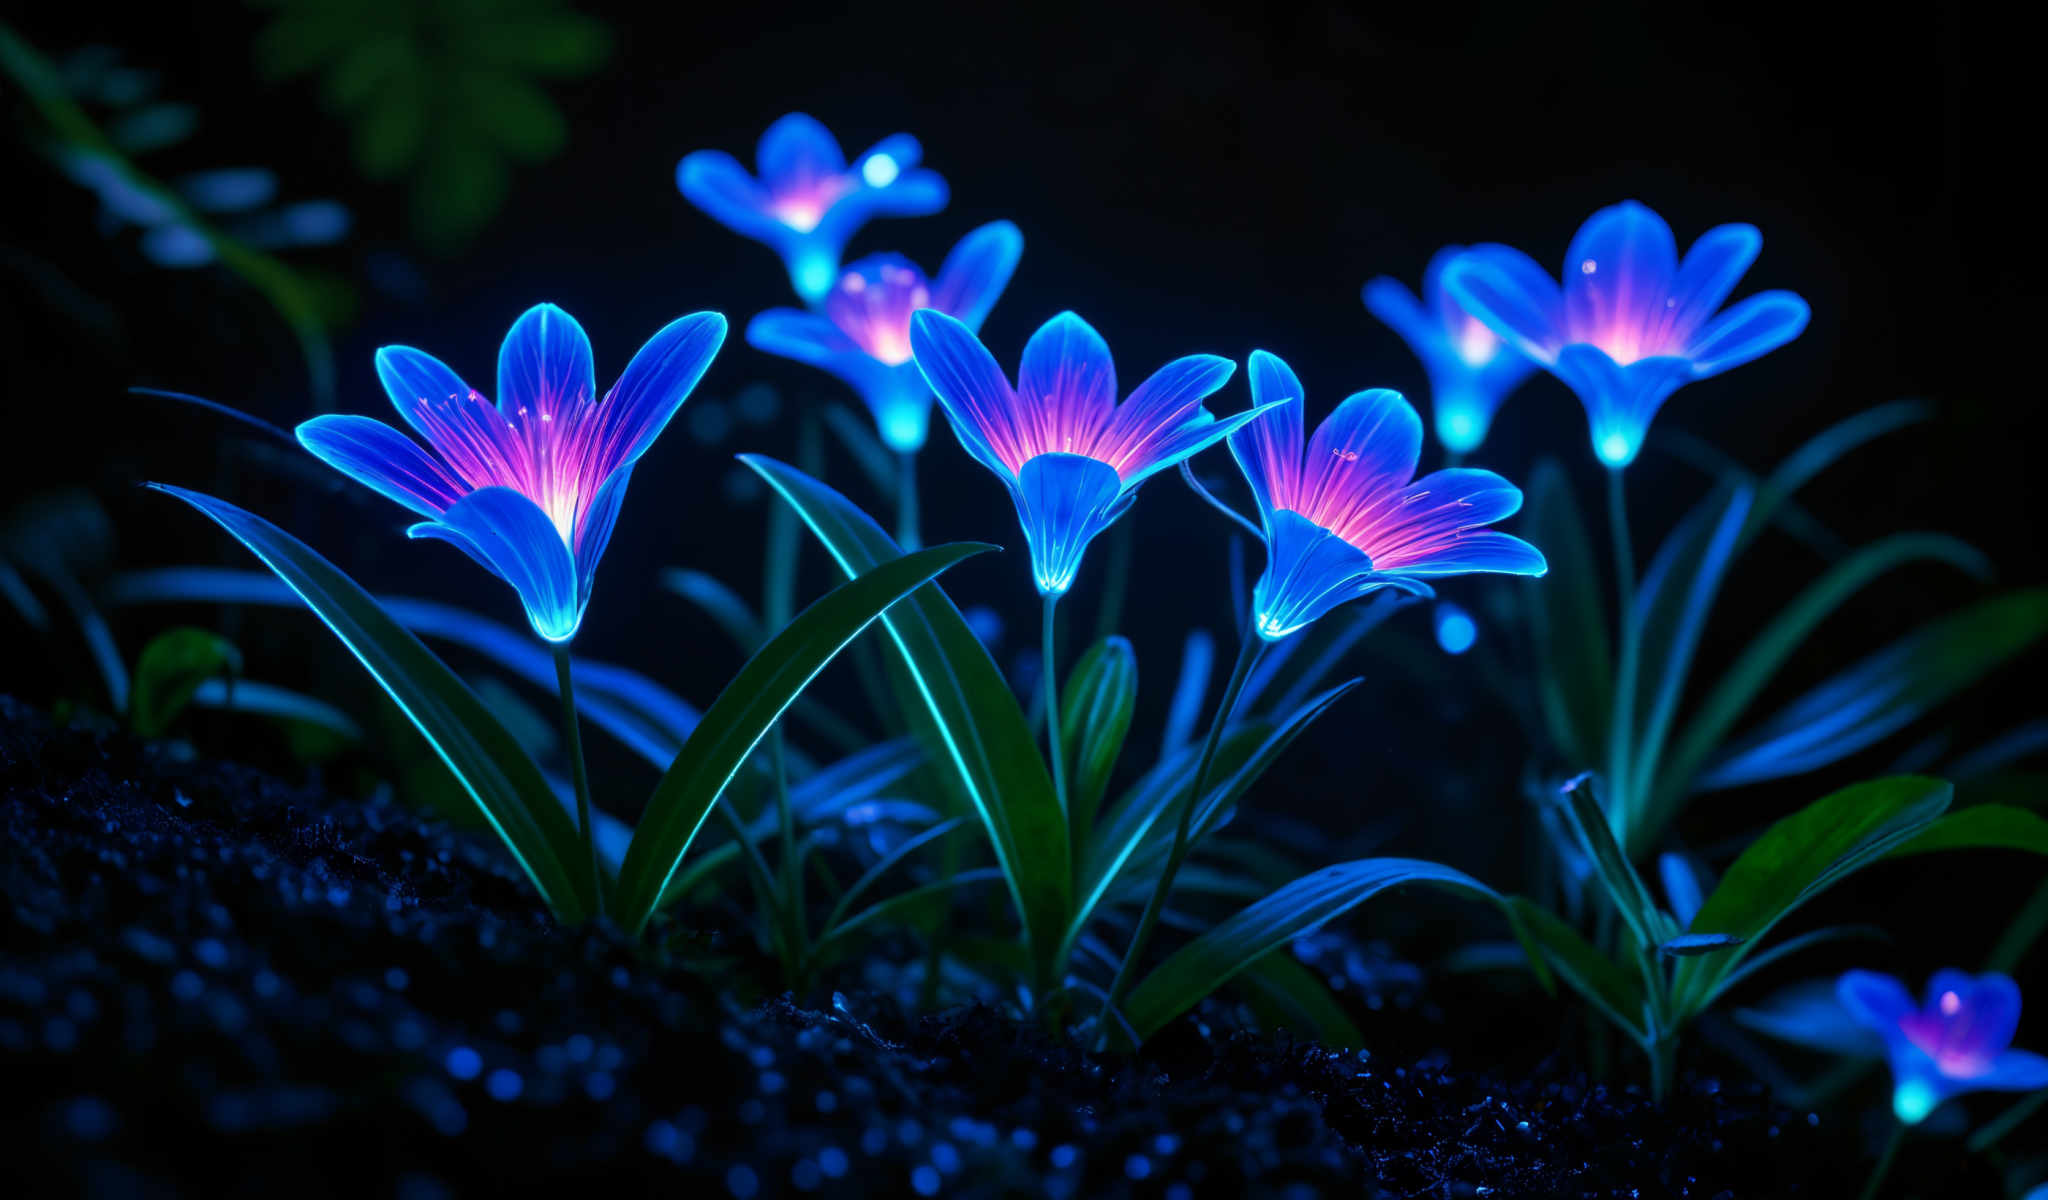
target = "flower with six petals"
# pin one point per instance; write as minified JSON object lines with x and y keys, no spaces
{"x":1960,"y":1040}
{"x":529,"y":487}
{"x":805,"y":200}
{"x":1071,"y":456}
{"x":1342,"y":518}
{"x":1471,"y":369}
{"x":863,"y":333}
{"x":1631,"y":323}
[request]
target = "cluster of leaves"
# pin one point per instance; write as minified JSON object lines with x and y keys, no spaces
{"x":440,"y":92}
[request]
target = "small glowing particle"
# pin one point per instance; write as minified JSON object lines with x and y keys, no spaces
{"x":880,"y":170}
{"x":1588,"y":267}
{"x":464,"y":1063}
{"x":504,"y":1085}
{"x":1950,"y":1004}
{"x":925,"y":1180}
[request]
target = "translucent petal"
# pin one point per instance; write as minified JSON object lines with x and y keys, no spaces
{"x":1512,"y":296}
{"x":1712,"y":267}
{"x":1983,"y":1015}
{"x":1309,"y":571}
{"x":1617,"y":276}
{"x":1751,"y":328}
{"x":511,"y":536}
{"x":383,"y":460}
{"x":1169,"y":399}
{"x":1067,"y":385}
{"x":1878,"y":1001}
{"x":544,"y":367}
{"x":715,"y":182}
{"x":797,"y":147}
{"x":1481,"y":550}
{"x":595,"y":533}
{"x":1268,"y":448}
{"x":653,"y":386}
{"x":1620,"y":401}
{"x":806,"y":337}
{"x":1188,"y":440}
{"x":1401,"y":311}
{"x":977,"y":270}
{"x":1063,"y":501}
{"x":476,"y":442}
{"x":971,"y":388}
{"x":2015,"y":1071}
{"x":1367,"y":447}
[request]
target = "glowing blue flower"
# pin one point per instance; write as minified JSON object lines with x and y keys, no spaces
{"x":530,"y":488}
{"x":1631,"y":323}
{"x":1345,"y":521}
{"x":863,"y":334}
{"x":1959,"y":1041}
{"x":1471,"y":370}
{"x":808,"y":200}
{"x":1071,"y":456}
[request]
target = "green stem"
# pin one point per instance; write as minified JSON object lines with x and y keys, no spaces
{"x":1884,"y":1161}
{"x":1621,"y":724}
{"x":2005,"y":1123}
{"x":1050,"y":685}
{"x":1247,"y":657}
{"x":2021,"y":933}
{"x":906,"y":501}
{"x":1453,"y":459}
{"x":572,"y":739}
{"x":1663,"y":1055}
{"x":763,"y":879}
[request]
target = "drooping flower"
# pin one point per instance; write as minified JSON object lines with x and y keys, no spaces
{"x":1342,"y":518}
{"x":1631,"y":323}
{"x":530,"y":487}
{"x":806,"y":199}
{"x":1471,"y":369}
{"x":863,"y":334}
{"x":1959,"y":1041}
{"x":1071,"y":456}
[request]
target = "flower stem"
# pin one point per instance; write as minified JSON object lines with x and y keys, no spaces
{"x":1621,"y":724}
{"x":572,"y":739}
{"x":1884,"y":1161}
{"x":906,"y":500}
{"x":1050,"y":682}
{"x":1247,"y":656}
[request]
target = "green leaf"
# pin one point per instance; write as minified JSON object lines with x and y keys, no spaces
{"x":1568,"y":623}
{"x":1615,"y":992}
{"x":1626,"y":889}
{"x":505,"y":784}
{"x":1823,"y":450}
{"x":1761,"y":660}
{"x":1982,"y":827}
{"x":170,"y":670}
{"x":1286,"y":994}
{"x":1211,"y":960}
{"x":1798,"y":858}
{"x":985,"y":736}
{"x":269,"y":700}
{"x":1691,"y":945}
{"x":1095,"y":716}
{"x":1884,"y":692}
{"x":720,"y":603}
{"x":514,"y":114}
{"x":744,"y":711}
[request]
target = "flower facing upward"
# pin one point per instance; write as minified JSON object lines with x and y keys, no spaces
{"x":530,"y":487}
{"x":1343,"y":520}
{"x":1471,"y":370}
{"x":1959,"y":1041}
{"x":1071,"y":456}
{"x":806,"y":200}
{"x":863,"y":334}
{"x":1631,"y":322}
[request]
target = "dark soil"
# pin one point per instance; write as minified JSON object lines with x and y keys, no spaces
{"x":214,"y":982}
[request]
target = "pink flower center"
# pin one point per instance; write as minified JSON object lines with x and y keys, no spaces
{"x":872,"y":303}
{"x":1476,"y":344}
{"x":1945,"y":1035}
{"x":802,"y":205}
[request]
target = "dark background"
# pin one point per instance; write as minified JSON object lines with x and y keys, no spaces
{"x":1187,"y":181}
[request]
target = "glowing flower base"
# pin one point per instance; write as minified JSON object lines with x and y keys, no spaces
{"x":1471,"y":369}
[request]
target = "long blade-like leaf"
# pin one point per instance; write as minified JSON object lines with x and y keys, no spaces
{"x":1754,"y":668}
{"x":1095,"y":715}
{"x":506,"y":785}
{"x":1568,"y":624}
{"x":1884,"y":692}
{"x":1616,"y":992}
{"x":1286,"y":993}
{"x":1209,"y":961}
{"x":743,"y":713}
{"x":1798,"y":858}
{"x":1981,"y":827}
{"x":985,"y":736}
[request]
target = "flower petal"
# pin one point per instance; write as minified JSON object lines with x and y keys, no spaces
{"x":1367,"y":448}
{"x":1067,"y":386}
{"x":1401,"y":311}
{"x":595,"y":532}
{"x":806,"y":337}
{"x":473,"y":438}
{"x":1268,"y":448}
{"x":1480,"y":550}
{"x":796,"y":146}
{"x":1618,"y":273}
{"x":2015,"y":1071}
{"x":1167,"y":402}
{"x":1878,"y":1001}
{"x":1510,"y":295}
{"x":653,"y":386}
{"x":977,"y":270}
{"x":1986,"y":1012}
{"x":516,"y":541}
{"x":1309,"y":571}
{"x":1752,"y":328}
{"x":1187,"y":441}
{"x":1063,"y":501}
{"x":716,"y":183}
{"x":1712,"y":268}
{"x":1620,"y":401}
{"x":383,"y":460}
{"x":971,"y":387}
{"x":544,"y":367}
